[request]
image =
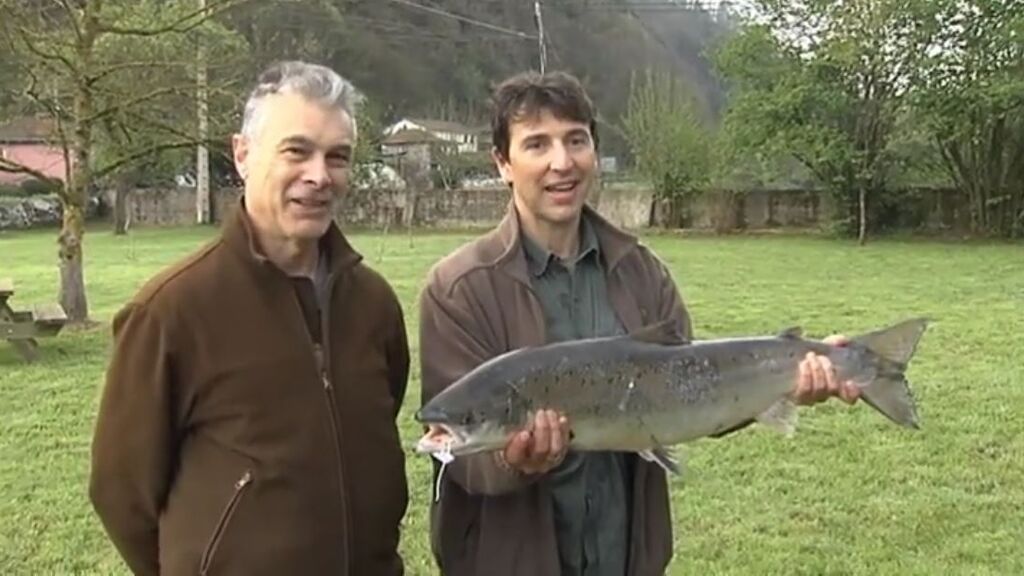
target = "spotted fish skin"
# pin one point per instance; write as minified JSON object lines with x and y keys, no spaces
{"x":648,"y":391}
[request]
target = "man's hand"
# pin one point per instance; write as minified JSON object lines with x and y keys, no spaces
{"x":817,"y":381}
{"x":540,"y":446}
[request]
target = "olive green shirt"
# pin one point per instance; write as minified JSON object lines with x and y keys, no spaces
{"x":589,"y":489}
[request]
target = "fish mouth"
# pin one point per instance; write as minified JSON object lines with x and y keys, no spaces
{"x":457,"y":440}
{"x":441,"y":438}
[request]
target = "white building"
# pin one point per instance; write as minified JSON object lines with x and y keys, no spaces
{"x":466,"y":139}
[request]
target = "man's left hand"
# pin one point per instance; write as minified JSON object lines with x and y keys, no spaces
{"x":817,"y":381}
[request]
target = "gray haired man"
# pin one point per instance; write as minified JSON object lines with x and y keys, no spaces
{"x":247,"y":424}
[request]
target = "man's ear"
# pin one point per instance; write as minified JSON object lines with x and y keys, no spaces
{"x":502,"y":163}
{"x":239,"y":153}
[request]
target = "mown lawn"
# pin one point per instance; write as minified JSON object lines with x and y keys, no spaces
{"x":849,"y":494}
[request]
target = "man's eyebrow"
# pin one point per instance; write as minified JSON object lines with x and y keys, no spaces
{"x":296,"y":140}
{"x":341,"y":148}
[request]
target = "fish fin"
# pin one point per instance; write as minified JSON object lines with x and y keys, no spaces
{"x":891,"y":395}
{"x":664,"y":332}
{"x":663,"y":457}
{"x":793,"y":332}
{"x":889,"y":392}
{"x":896,"y":343}
{"x":781,"y":416}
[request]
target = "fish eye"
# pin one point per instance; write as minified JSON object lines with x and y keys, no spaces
{"x":467,"y":419}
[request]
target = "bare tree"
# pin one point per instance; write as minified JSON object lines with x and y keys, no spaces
{"x":105,"y":72}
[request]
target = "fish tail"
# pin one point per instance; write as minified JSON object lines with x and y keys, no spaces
{"x":889,"y":392}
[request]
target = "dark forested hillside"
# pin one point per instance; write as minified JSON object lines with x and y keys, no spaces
{"x":411,"y":61}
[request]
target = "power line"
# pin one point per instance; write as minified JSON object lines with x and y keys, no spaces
{"x":389,"y":26}
{"x":653,"y":6}
{"x":539,"y":21}
{"x":439,"y":12}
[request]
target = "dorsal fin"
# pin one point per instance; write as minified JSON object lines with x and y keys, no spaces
{"x":663,"y":332}
{"x":792,"y":332}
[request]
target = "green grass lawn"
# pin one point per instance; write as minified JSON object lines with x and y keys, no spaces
{"x":849,"y":494}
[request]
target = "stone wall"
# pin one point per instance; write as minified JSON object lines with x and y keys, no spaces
{"x":629,"y":206}
{"x":37,"y":212}
{"x":626,"y":206}
{"x":168,"y":207}
{"x":754,"y":209}
{"x":432,"y":209}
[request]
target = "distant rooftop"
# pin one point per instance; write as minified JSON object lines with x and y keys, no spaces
{"x":26,"y":130}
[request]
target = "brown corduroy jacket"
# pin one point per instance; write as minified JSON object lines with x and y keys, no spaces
{"x":478,"y":304}
{"x":229,"y":442}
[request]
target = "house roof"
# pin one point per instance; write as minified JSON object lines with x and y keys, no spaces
{"x":26,"y":130}
{"x":410,"y":136}
{"x":442,"y":126}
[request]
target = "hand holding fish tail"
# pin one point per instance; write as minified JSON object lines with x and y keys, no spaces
{"x":540,"y":447}
{"x":817,"y":380}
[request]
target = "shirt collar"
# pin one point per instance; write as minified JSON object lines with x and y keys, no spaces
{"x":538,"y":257}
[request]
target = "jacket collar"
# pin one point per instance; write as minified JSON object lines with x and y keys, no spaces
{"x":239,"y":235}
{"x":613,"y":243}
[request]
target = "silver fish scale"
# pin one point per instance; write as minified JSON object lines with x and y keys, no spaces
{"x":693,"y":379}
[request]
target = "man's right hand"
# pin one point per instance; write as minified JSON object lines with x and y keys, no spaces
{"x":540,"y":446}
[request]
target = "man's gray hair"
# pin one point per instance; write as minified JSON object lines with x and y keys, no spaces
{"x":312,"y":81}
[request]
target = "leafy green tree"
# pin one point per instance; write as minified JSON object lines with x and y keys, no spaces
{"x":671,"y":145}
{"x":826,"y":83}
{"x":971,"y":101}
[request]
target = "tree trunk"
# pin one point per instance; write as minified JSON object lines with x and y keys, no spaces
{"x":202,"y":154}
{"x":862,"y":234}
{"x":72,"y":280}
{"x":121,"y":207}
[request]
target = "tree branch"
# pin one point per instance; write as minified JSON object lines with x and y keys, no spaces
{"x":115,"y":68}
{"x":130,"y":103}
{"x":114,"y":165}
{"x":45,"y":55}
{"x":812,"y":166}
{"x":181,"y":25}
{"x":71,"y":17}
{"x":12,"y":167}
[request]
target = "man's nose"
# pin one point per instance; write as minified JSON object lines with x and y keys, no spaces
{"x":561,"y":160}
{"x":316,"y":172}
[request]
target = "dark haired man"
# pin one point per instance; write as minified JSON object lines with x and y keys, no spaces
{"x":553,"y":270}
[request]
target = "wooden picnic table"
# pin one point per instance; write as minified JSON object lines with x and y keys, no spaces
{"x":21,"y":328}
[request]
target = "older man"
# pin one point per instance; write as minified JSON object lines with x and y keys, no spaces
{"x":247,"y":425}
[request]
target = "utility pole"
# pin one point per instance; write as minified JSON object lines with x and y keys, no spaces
{"x":539,"y":20}
{"x":202,"y":154}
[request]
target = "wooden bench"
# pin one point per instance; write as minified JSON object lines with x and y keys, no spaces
{"x":21,"y":328}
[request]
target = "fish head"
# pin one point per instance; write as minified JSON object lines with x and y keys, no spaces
{"x":466,"y":420}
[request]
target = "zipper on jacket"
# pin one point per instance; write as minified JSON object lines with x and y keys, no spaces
{"x":222,"y":523}
{"x":332,"y":407}
{"x":323,"y":369}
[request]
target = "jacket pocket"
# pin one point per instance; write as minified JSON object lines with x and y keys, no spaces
{"x":222,"y":523}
